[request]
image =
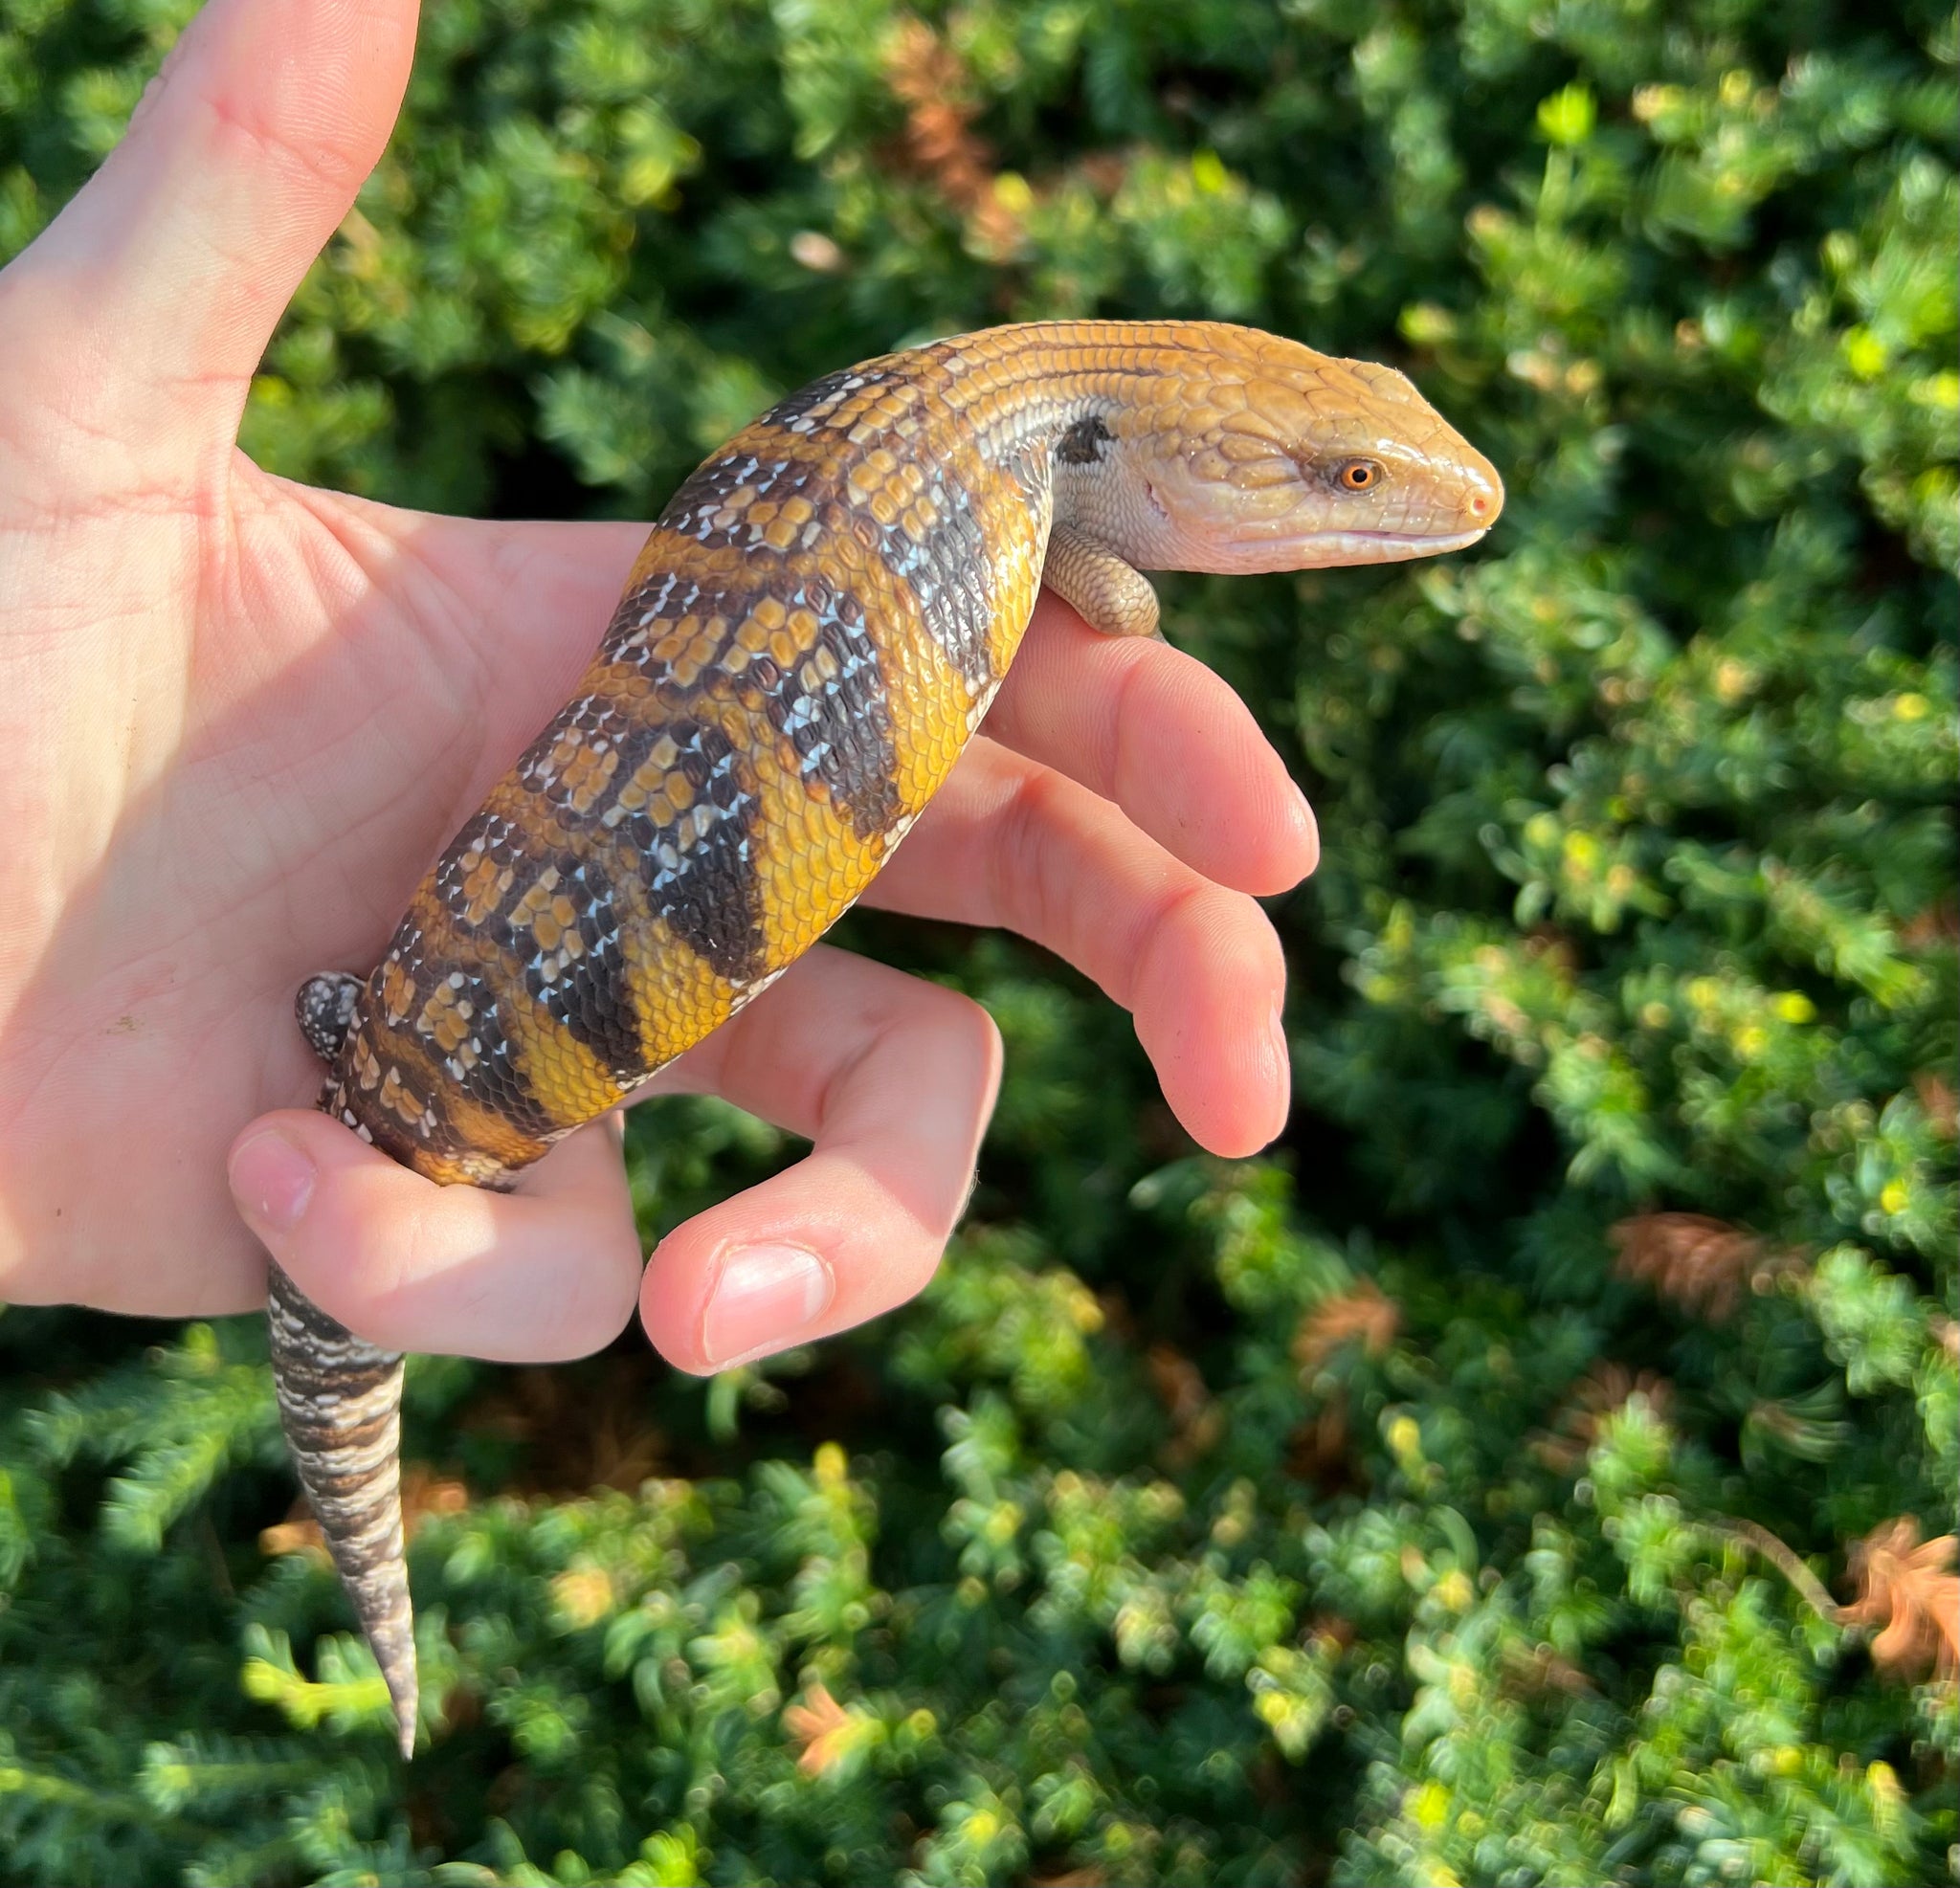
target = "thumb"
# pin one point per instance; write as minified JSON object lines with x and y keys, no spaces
{"x":180,"y":254}
{"x":548,"y":1272}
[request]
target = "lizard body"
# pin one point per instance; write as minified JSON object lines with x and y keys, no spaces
{"x":818,"y":623}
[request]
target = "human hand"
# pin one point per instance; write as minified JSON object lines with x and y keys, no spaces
{"x":241,"y":716}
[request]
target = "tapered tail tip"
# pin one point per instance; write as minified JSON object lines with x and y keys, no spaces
{"x":340,"y":1401}
{"x":397,"y":1661}
{"x":392,"y":1639}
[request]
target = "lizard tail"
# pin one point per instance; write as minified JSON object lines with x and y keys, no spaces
{"x":341,"y":1404}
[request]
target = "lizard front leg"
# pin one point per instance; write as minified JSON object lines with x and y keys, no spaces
{"x":1110,"y":593}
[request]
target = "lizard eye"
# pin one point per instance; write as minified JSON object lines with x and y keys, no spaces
{"x":1357,"y":475}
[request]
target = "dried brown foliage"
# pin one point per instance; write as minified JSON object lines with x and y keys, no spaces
{"x":1196,"y":1422}
{"x":1908,"y":1589}
{"x":931,"y":80}
{"x":297,"y":1535}
{"x":1104,"y":172}
{"x":1937,"y":924}
{"x":1361,"y":1312}
{"x":578,"y":1434}
{"x":580,"y":1430}
{"x":1597,"y":1395}
{"x":820,"y":1725}
{"x":1318,"y":1452}
{"x":424,"y":1493}
{"x":1702,"y":1265}
{"x":1548,"y":943}
{"x":1331,"y":1634}
{"x":1941,"y":1104}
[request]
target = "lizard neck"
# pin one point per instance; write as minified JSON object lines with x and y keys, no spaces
{"x":1071,"y":410}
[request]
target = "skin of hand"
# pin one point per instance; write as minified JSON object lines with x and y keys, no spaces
{"x":241,"y":716}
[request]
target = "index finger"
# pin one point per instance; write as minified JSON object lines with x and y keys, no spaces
{"x":1153,"y":729}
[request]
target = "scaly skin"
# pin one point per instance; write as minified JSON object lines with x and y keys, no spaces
{"x":817,"y":625}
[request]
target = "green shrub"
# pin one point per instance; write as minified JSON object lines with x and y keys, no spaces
{"x":1520,"y":1473}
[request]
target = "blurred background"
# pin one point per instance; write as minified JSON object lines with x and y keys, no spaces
{"x":1540,"y":1467}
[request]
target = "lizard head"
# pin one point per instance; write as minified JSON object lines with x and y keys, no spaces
{"x":1253,"y":453}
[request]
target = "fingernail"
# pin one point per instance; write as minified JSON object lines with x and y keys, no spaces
{"x":765,"y":1299}
{"x":272,"y":1181}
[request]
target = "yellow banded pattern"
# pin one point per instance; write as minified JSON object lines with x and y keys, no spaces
{"x":815,"y":628}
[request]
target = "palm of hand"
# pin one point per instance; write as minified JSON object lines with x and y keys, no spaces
{"x":241,"y":716}
{"x":276,"y":706}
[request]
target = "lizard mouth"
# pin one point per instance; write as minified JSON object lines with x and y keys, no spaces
{"x":1328,"y":548}
{"x":1323,"y":550}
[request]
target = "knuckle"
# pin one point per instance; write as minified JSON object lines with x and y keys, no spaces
{"x":1127,"y":749}
{"x":1021,"y":850}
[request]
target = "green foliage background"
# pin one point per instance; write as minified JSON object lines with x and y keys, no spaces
{"x":1344,"y":1515}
